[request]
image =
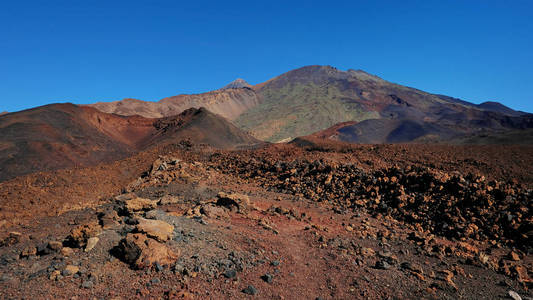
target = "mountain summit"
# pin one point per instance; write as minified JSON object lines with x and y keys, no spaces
{"x":237,"y":84}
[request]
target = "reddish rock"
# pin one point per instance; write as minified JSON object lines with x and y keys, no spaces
{"x":232,"y":201}
{"x":155,"y":229}
{"x":142,"y":252}
{"x":78,"y":236}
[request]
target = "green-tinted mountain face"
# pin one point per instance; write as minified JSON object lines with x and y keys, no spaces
{"x":310,"y":99}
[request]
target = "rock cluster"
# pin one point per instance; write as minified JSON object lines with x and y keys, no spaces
{"x":451,"y":205}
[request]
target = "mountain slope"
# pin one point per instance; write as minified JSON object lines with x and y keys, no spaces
{"x":313,"y":98}
{"x":229,"y":102}
{"x":310,"y":99}
{"x":66,"y":135}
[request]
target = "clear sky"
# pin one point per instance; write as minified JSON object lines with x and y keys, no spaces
{"x":88,"y":51}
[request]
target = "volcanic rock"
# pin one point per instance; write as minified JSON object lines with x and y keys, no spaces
{"x":233,"y":201}
{"x":67,"y":251}
{"x":70,"y":270}
{"x":156,"y":229}
{"x":55,"y":246}
{"x":143,"y":252}
{"x":169,"y":199}
{"x":108,"y":219}
{"x":139,"y":204}
{"x":78,"y":236}
{"x":29,"y":251}
{"x":250,"y":290}
{"x":91,"y":243}
{"x":212,"y":211}
{"x":11,"y":239}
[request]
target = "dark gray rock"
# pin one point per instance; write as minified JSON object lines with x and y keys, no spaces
{"x":250,"y":290}
{"x":268,"y":278}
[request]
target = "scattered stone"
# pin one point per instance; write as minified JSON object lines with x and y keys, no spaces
{"x":11,"y":239}
{"x":514,"y":256}
{"x":139,"y":204}
{"x":152,"y":214}
{"x":126,"y":196}
{"x":233,"y":201}
{"x":212,"y":211}
{"x":67,"y":251}
{"x":87,"y":284}
{"x":55,"y":275}
{"x":55,"y":246}
{"x":156,"y":229}
{"x":70,"y":270}
{"x":275,"y":263}
{"x":29,"y":251}
{"x":91,"y":243}
{"x":143,"y":252}
{"x":109,"y":219}
{"x":520,"y":272}
{"x":267,"y":278}
{"x":169,"y":199}
{"x":78,"y":236}
{"x":230,"y":274}
{"x":383,"y":265}
{"x":158,"y":267}
{"x":367,"y":252}
{"x":155,"y":281}
{"x":250,"y":290}
{"x":514,"y":295}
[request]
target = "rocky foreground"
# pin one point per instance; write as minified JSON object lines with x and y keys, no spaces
{"x":284,"y":223}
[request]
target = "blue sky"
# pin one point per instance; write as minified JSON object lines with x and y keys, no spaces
{"x":88,"y":51}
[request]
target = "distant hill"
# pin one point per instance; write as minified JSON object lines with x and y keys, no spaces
{"x":65,"y":135}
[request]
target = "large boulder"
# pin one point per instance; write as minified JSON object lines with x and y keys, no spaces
{"x":143,"y":252}
{"x":155,"y":229}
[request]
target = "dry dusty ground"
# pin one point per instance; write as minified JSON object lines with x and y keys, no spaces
{"x":313,"y":221}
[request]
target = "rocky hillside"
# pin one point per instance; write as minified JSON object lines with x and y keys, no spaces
{"x":66,"y":135}
{"x":313,"y":98}
{"x":280,"y":222}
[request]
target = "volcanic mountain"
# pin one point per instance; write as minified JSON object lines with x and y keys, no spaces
{"x":313,"y":98}
{"x":66,"y":135}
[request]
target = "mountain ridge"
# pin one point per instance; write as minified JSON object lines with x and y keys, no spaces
{"x":313,"y":98}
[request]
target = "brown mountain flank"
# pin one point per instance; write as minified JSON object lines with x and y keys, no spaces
{"x":66,"y":135}
{"x":228,"y":102}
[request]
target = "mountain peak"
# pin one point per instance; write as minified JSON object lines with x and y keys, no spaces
{"x":237,"y":84}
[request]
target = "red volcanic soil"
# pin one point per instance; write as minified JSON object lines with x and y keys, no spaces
{"x":65,"y":135}
{"x":332,"y":132}
{"x":307,"y":220}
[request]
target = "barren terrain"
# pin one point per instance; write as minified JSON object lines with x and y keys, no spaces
{"x":307,"y":220}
